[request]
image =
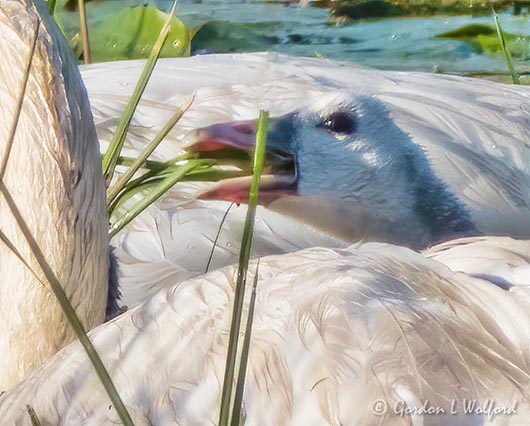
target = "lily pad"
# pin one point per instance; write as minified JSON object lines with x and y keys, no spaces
{"x":484,"y":39}
{"x":225,"y":36}
{"x":131,"y":34}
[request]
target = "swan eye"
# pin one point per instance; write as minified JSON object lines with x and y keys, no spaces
{"x":339,"y":122}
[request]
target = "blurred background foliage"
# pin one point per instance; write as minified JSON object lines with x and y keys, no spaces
{"x":451,"y":36}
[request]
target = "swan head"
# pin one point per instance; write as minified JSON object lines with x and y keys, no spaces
{"x":342,"y":165}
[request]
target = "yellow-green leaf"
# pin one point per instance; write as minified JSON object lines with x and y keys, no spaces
{"x":131,"y":34}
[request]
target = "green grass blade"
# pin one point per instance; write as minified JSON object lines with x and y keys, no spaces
{"x":148,"y":164}
{"x":18,"y":107}
{"x":33,"y":416}
{"x":153,"y":165}
{"x":244,"y":257}
{"x":5,"y":239}
{"x":51,"y":6}
{"x":217,"y":237}
{"x":237,"y":411}
{"x":84,"y":31}
{"x":202,"y":170}
{"x":67,"y":309}
{"x":110,"y":158}
{"x":157,"y":166}
{"x":49,"y":275}
{"x":507,"y":55}
{"x":121,"y":183}
{"x":159,"y":189}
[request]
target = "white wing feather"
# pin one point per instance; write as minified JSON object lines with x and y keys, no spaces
{"x":334,"y":331}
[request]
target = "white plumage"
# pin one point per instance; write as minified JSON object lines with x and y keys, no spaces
{"x":53,"y":175}
{"x":336,"y":330}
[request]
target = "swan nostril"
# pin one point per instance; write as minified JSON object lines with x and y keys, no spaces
{"x":244,"y":128}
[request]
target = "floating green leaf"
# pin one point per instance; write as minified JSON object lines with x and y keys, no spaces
{"x":225,"y":36}
{"x":132,"y":33}
{"x":483,"y":38}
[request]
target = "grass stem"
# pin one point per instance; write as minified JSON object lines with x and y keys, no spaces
{"x":156,"y":192}
{"x":505,"y":50}
{"x":20,"y":102}
{"x":49,"y":275}
{"x":84,"y":31}
{"x":244,"y":256}
{"x":237,"y":411}
{"x":51,"y":6}
{"x":217,"y":237}
{"x":68,"y":309}
{"x":122,"y":181}
{"x":110,"y":158}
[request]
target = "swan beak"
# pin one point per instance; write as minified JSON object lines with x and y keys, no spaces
{"x":229,"y":139}
{"x":240,"y":135}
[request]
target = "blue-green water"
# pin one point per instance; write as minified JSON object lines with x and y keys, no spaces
{"x":391,"y":43}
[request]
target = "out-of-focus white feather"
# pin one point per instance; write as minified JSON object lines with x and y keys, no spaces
{"x":173,"y":242}
{"x":334,"y":331}
{"x":502,"y":261}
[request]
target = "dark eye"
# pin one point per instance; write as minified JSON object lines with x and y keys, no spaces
{"x":339,"y":122}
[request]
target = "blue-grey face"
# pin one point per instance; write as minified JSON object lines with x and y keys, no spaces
{"x":343,"y":165}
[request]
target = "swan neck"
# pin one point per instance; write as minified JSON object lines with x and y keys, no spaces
{"x":53,"y":175}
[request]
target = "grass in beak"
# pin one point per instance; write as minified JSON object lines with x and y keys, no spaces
{"x":160,"y":177}
{"x":156,"y":191}
{"x":228,"y":408}
{"x":84,"y":31}
{"x":110,"y":158}
{"x":200,"y":170}
{"x":507,"y":55}
{"x":123,"y":180}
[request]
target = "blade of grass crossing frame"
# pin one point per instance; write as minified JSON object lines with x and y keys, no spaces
{"x":237,"y":411}
{"x":84,"y":31}
{"x":244,"y":257}
{"x":113,"y":192}
{"x":50,"y":276}
{"x":217,"y":237}
{"x":18,"y":107}
{"x":110,"y":158}
{"x":507,"y":54}
{"x":5,"y":239}
{"x":68,"y":310}
{"x":201,"y":169}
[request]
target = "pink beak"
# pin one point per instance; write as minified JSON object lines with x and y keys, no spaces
{"x":240,"y":135}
